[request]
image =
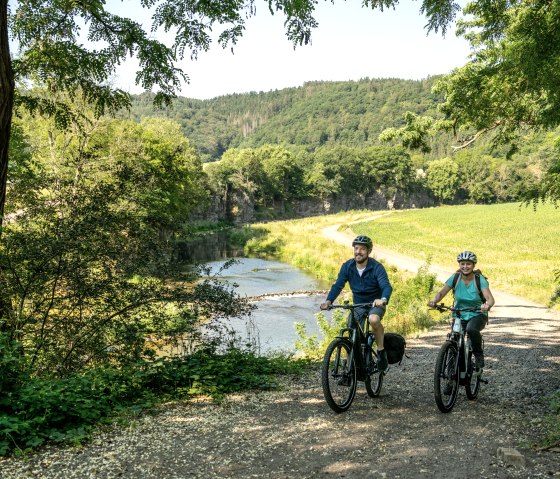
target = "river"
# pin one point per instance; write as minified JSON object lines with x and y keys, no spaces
{"x":272,"y":323}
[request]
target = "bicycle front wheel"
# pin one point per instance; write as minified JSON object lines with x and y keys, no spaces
{"x":338,"y":376}
{"x":472,"y":387}
{"x":374,"y":377}
{"x":446,"y":377}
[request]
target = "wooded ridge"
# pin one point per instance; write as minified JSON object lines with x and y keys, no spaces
{"x":351,"y":113}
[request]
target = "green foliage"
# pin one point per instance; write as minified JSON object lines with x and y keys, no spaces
{"x":318,"y":114}
{"x":310,"y":345}
{"x":11,"y":364}
{"x":273,"y":175}
{"x":511,"y":80}
{"x":413,"y":135}
{"x":47,"y":36}
{"x":66,"y":410}
{"x":263,"y":246}
{"x":443,"y":178}
{"x":555,"y":298}
{"x":324,"y":153}
{"x":407,"y":312}
{"x":242,"y":236}
{"x":88,"y":266}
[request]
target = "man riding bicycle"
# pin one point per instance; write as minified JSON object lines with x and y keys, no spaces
{"x":369,"y":283}
{"x":469,"y":292}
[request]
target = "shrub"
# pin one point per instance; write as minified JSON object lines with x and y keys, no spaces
{"x":66,"y":410}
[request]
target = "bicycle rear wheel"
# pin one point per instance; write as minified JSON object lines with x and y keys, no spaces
{"x":472,"y":387}
{"x":338,"y":375}
{"x":446,"y":377}
{"x":374,"y":377}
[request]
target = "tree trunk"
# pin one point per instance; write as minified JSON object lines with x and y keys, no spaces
{"x":7,"y":86}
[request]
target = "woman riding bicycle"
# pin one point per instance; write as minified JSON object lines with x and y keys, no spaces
{"x":470,"y":290}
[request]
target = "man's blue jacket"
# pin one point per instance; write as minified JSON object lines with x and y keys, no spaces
{"x":372,"y":285}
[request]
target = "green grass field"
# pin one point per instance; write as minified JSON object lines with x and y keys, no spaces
{"x":518,"y":248}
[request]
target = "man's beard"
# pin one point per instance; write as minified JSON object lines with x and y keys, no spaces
{"x":363,"y":260}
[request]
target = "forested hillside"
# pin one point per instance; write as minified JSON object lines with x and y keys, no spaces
{"x":351,"y":113}
{"x":320,"y":143}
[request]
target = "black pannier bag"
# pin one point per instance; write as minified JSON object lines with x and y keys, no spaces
{"x":394,"y":347}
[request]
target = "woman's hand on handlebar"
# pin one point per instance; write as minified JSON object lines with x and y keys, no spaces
{"x":485,"y":307}
{"x":432,"y":304}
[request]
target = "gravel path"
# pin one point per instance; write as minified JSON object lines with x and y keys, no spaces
{"x":293,"y":434}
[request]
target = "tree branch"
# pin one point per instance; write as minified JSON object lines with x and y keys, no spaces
{"x":475,"y":137}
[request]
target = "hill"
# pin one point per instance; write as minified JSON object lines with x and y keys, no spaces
{"x":350,"y":113}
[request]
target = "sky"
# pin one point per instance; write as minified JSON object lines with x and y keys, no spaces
{"x":350,"y":43}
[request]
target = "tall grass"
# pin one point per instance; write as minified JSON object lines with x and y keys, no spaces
{"x":302,"y":243}
{"x":518,"y":247}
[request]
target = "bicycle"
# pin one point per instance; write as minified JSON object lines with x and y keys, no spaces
{"x":350,"y":358}
{"x":455,"y":365}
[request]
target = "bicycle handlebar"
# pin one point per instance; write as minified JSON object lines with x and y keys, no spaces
{"x":442,"y":308}
{"x":349,"y":306}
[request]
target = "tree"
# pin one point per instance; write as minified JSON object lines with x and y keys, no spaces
{"x":50,"y":53}
{"x":284,"y":177}
{"x":386,"y":167}
{"x":443,"y":178}
{"x":475,"y":176}
{"x":510,"y":83}
{"x":87,"y":275}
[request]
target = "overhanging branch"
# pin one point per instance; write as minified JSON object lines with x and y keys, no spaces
{"x":475,"y":137}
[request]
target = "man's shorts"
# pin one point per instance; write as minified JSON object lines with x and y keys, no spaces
{"x":363,"y":313}
{"x":379,"y":310}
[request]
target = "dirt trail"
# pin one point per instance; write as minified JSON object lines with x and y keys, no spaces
{"x":507,"y":305}
{"x":292,"y":434}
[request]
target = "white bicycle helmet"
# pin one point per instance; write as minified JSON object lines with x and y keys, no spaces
{"x":466,"y":256}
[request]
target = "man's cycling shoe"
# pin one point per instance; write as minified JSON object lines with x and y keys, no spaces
{"x":382,"y":363}
{"x":344,"y":381}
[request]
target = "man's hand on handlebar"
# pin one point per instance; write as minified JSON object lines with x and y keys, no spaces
{"x":326,"y":305}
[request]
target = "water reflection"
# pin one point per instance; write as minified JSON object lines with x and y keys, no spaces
{"x":257,"y":277}
{"x":274,"y":319}
{"x":275,"y":316}
{"x":207,"y":248}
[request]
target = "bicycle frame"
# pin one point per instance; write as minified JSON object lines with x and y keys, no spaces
{"x":358,"y":339}
{"x":349,"y":359}
{"x":457,"y":335}
{"x":456,"y":351}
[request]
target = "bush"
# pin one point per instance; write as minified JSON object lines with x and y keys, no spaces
{"x":555,"y":298}
{"x":11,"y":361}
{"x":66,"y":410}
{"x":310,"y":346}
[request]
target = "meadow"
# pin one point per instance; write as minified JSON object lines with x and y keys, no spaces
{"x":518,"y":247}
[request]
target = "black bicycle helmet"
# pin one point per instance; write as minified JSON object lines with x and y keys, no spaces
{"x":362,"y":239}
{"x":466,"y":256}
